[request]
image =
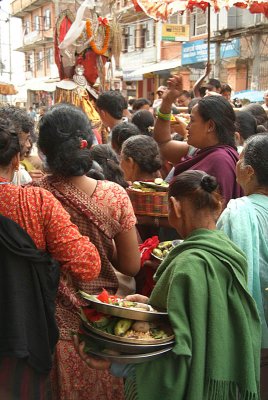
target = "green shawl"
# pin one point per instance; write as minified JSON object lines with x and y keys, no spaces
{"x":202,"y":284}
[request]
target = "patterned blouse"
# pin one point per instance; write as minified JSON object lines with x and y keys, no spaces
{"x":45,"y":220}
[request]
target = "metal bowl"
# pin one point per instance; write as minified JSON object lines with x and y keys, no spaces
{"x":130,"y":358}
{"x":121,"y":339}
{"x":129,"y":348}
{"x":123,"y":312}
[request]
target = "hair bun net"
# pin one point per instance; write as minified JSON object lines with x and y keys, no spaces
{"x":208,"y":183}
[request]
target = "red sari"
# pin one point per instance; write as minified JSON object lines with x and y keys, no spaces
{"x":101,"y":217}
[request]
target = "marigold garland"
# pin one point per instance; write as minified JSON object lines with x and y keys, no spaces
{"x":92,"y":43}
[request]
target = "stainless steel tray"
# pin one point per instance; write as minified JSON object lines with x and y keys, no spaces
{"x":123,"y":312}
{"x":127,"y":340}
{"x":129,"y":348}
{"x":130,"y":358}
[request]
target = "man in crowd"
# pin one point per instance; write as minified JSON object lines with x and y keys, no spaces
{"x":111,"y":106}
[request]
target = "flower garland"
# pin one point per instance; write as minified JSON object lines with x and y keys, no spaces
{"x":104,"y":22}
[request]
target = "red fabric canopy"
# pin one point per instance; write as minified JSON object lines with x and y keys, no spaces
{"x":161,"y":10}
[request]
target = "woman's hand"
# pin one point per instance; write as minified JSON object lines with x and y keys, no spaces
{"x":139,"y":298}
{"x":175,"y":86}
{"x":90,"y":361}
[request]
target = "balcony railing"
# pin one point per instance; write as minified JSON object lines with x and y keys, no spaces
{"x":35,"y":39}
{"x":19,"y":8}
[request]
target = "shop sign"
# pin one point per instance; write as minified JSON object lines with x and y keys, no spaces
{"x":196,"y":52}
{"x":175,"y":33}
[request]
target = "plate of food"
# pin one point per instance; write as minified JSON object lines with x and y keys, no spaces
{"x":96,"y":349}
{"x":119,"y":307}
{"x":127,"y":330}
{"x":158,"y":185}
{"x":162,"y":250}
{"x":128,"y":348}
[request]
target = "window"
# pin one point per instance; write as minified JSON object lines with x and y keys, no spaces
{"x":29,"y":61}
{"x":131,"y":39}
{"x":178,"y":19}
{"x":47,"y":19}
{"x":50,"y":57}
{"x":149,"y":34}
{"x":26,"y":27}
{"x":36,"y":23}
{"x":198,"y":23}
{"x":39,"y":60}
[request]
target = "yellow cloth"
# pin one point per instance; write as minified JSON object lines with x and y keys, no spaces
{"x":79,"y":97}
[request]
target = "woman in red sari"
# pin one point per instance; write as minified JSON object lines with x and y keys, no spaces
{"x":102,"y":211}
{"x":49,"y":226}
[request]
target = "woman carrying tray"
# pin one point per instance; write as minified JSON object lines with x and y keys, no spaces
{"x":202,"y":285}
{"x":103,"y":212}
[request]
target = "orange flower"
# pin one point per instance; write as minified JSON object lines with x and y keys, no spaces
{"x":92,"y":42}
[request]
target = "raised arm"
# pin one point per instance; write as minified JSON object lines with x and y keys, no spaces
{"x":171,"y":150}
{"x":199,"y":82}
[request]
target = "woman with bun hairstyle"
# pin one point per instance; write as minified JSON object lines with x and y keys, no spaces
{"x":144,"y":120}
{"x":120,"y":133}
{"x":202,"y":285}
{"x":211,"y":132}
{"x":140,"y":159}
{"x":102,"y":211}
{"x":107,"y":159}
{"x":245,"y":221}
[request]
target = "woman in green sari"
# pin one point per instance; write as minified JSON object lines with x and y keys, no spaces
{"x":202,"y":285}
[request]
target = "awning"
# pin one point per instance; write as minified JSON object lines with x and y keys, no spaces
{"x":160,"y":66}
{"x":7,"y":89}
{"x":41,"y":84}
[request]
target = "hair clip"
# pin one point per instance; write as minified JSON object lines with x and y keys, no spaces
{"x":83,"y":144}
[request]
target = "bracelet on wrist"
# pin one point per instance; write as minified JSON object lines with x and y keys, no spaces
{"x":165,"y":117}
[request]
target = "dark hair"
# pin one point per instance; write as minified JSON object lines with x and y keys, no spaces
{"x":61,"y":131}
{"x":139,"y":103}
{"x":192,"y":103}
{"x":185,"y":93}
{"x":199,"y":187}
{"x":258,"y":113}
{"x":20,"y":119}
{"x":144,"y":120}
{"x":144,"y":151}
{"x":256,"y":155}
{"x":113,"y":102}
{"x":122,"y":132}
{"x":202,"y":91}
{"x":226,"y":88}
{"x":215,"y":83}
{"x":9,"y":142}
{"x":220,"y":111}
{"x":96,"y":172}
{"x":131,"y":101}
{"x":246,"y":124}
{"x":104,"y":155}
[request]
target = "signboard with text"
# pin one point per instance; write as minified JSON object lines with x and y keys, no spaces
{"x":196,"y":52}
{"x":175,"y":33}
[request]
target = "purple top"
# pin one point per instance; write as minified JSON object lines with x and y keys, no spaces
{"x":218,"y":161}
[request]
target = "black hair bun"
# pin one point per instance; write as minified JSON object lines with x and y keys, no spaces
{"x":208,"y":183}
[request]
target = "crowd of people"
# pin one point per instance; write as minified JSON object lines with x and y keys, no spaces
{"x":67,"y":224}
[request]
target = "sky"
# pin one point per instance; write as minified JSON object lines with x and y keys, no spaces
{"x":14,"y":41}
